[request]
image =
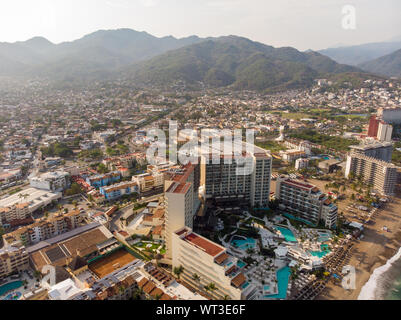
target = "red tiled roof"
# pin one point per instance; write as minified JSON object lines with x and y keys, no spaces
{"x":299,"y":184}
{"x":208,"y":246}
{"x":239,"y":280}
{"x":221,"y":258}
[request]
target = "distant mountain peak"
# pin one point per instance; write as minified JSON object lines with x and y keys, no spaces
{"x":39,"y":41}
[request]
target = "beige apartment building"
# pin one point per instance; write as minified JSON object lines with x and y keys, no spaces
{"x":13,"y":259}
{"x":19,"y":211}
{"x":46,"y":228}
{"x":149,"y":181}
{"x":381,"y":175}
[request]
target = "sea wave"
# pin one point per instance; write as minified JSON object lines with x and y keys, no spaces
{"x":370,"y":290}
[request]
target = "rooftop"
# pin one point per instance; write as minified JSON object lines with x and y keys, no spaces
{"x":30,"y":195}
{"x":179,"y":188}
{"x":204,"y":244}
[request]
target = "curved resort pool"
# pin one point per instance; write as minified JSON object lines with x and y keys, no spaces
{"x":243,"y":243}
{"x":10,"y":286}
{"x":283,"y":277}
{"x":324,"y":251}
{"x":287,"y":234}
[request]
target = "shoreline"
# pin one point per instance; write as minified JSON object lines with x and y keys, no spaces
{"x":375,"y":250}
{"x":374,"y":287}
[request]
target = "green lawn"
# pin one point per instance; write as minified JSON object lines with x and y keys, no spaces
{"x":155,"y":246}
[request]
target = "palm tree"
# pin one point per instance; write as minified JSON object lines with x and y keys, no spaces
{"x":23,"y":196}
{"x":178,"y":271}
{"x":137,"y":294}
{"x":196,"y":278}
{"x":212,"y":287}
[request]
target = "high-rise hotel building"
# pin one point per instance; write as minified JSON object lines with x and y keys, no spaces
{"x":181,"y":200}
{"x":381,"y":175}
{"x":228,"y":180}
{"x":374,"y":149}
{"x":306,"y":202}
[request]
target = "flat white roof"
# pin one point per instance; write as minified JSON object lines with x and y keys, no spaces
{"x":64,"y":290}
{"x":33,"y":197}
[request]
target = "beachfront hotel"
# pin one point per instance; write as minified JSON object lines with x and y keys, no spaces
{"x":179,"y":205}
{"x":205,"y":262}
{"x":223,"y":183}
{"x":381,"y":175}
{"x":306,"y":202}
{"x":181,"y":201}
{"x":374,"y":149}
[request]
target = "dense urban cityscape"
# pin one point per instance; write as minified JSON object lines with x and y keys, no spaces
{"x":135,"y":167}
{"x":79,"y":195}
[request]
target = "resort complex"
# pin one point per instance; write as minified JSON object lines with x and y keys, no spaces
{"x":214,"y":168}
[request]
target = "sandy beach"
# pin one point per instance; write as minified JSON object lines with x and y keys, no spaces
{"x":371,"y":252}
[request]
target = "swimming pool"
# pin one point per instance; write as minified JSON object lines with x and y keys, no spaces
{"x":324,"y":251}
{"x":15,"y":296}
{"x":244,"y":244}
{"x":246,"y":284}
{"x":10,"y":286}
{"x":283,"y":277}
{"x":290,"y":216}
{"x":241,"y":264}
{"x":266,"y":288}
{"x":288,"y":235}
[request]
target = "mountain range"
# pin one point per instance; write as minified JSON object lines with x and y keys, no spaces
{"x":101,"y":52}
{"x":145,"y":59}
{"x":389,"y":65}
{"x":237,"y":62}
{"x":357,"y":55}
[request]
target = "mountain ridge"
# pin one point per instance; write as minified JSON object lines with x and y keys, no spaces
{"x":237,"y":62}
{"x":389,"y":65}
{"x":141,"y":57}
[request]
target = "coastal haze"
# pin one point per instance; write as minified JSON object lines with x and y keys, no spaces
{"x":98,"y":100}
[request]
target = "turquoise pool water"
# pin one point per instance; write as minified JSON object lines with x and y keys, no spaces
{"x":266,"y":288}
{"x":246,"y":284}
{"x":288,"y":235}
{"x":13,"y":296}
{"x":290,"y":216}
{"x":243,"y":244}
{"x":283,"y":277}
{"x":10,"y":286}
{"x":241,"y":264}
{"x":324,"y":251}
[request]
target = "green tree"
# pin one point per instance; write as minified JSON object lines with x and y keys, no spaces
{"x":178,"y":271}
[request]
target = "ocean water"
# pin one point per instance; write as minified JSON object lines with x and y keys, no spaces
{"x":385,"y":282}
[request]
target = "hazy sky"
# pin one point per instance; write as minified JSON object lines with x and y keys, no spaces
{"x":304,"y":24}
